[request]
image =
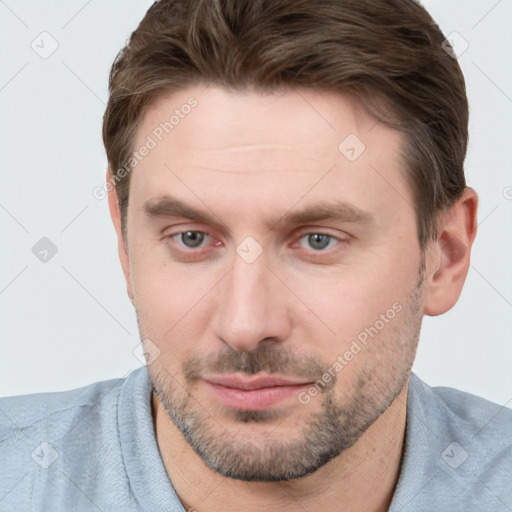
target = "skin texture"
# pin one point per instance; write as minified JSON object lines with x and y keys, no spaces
{"x":247,"y":161}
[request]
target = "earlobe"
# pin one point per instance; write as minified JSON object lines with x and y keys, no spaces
{"x":451,"y":254}
{"x":115,"y":214}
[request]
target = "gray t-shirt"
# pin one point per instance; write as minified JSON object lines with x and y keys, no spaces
{"x":94,"y":449}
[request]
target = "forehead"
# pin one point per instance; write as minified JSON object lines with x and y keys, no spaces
{"x":208,"y":142}
{"x":212,"y":119}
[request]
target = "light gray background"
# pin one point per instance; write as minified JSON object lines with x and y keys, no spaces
{"x":67,"y":322}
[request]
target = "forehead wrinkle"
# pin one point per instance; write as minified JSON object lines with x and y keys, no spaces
{"x":243,"y":161}
{"x":256,"y":146}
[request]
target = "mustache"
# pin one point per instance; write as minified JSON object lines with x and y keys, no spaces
{"x":265,"y":358}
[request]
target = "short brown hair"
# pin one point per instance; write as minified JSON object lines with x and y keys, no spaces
{"x":389,"y":50}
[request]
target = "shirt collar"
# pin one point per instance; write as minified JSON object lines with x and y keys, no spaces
{"x":148,"y":479}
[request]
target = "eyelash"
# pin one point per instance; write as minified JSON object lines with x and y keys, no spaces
{"x":302,"y":235}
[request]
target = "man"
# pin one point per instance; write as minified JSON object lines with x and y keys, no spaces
{"x":286,"y":183}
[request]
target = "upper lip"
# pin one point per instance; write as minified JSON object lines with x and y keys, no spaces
{"x":248,"y":383}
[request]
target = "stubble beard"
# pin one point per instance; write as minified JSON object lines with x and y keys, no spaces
{"x":327,"y":432}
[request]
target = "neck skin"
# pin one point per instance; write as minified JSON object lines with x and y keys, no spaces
{"x":362,"y":478}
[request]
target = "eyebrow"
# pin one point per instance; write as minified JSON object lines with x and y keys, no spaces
{"x":167,"y":206}
{"x":336,"y":211}
{"x":340,"y":211}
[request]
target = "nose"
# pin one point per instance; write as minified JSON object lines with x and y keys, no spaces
{"x":251,"y":307}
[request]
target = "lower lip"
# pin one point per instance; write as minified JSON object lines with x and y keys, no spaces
{"x":254,"y":399}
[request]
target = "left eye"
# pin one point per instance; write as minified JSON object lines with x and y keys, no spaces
{"x":317,"y":241}
{"x":191,"y":239}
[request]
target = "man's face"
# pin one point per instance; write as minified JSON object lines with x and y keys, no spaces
{"x":274,"y":263}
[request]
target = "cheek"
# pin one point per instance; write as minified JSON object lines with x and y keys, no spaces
{"x":173,"y":304}
{"x":343,"y":303}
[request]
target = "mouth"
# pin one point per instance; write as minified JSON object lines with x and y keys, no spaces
{"x":253,"y":393}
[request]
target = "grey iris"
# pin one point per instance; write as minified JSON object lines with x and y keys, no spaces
{"x":192,"y":238}
{"x":319,"y":241}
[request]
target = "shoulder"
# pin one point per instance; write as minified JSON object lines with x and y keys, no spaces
{"x":48,"y":411}
{"x":467,"y":414}
{"x":63,"y":450}
{"x":469,"y":407}
{"x":458,"y":451}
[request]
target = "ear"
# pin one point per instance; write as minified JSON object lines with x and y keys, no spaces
{"x":450,"y":254}
{"x":122,"y":246}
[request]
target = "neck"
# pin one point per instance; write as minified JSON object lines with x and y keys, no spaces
{"x":361,"y":478}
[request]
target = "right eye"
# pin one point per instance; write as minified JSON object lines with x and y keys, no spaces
{"x":190,"y":239}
